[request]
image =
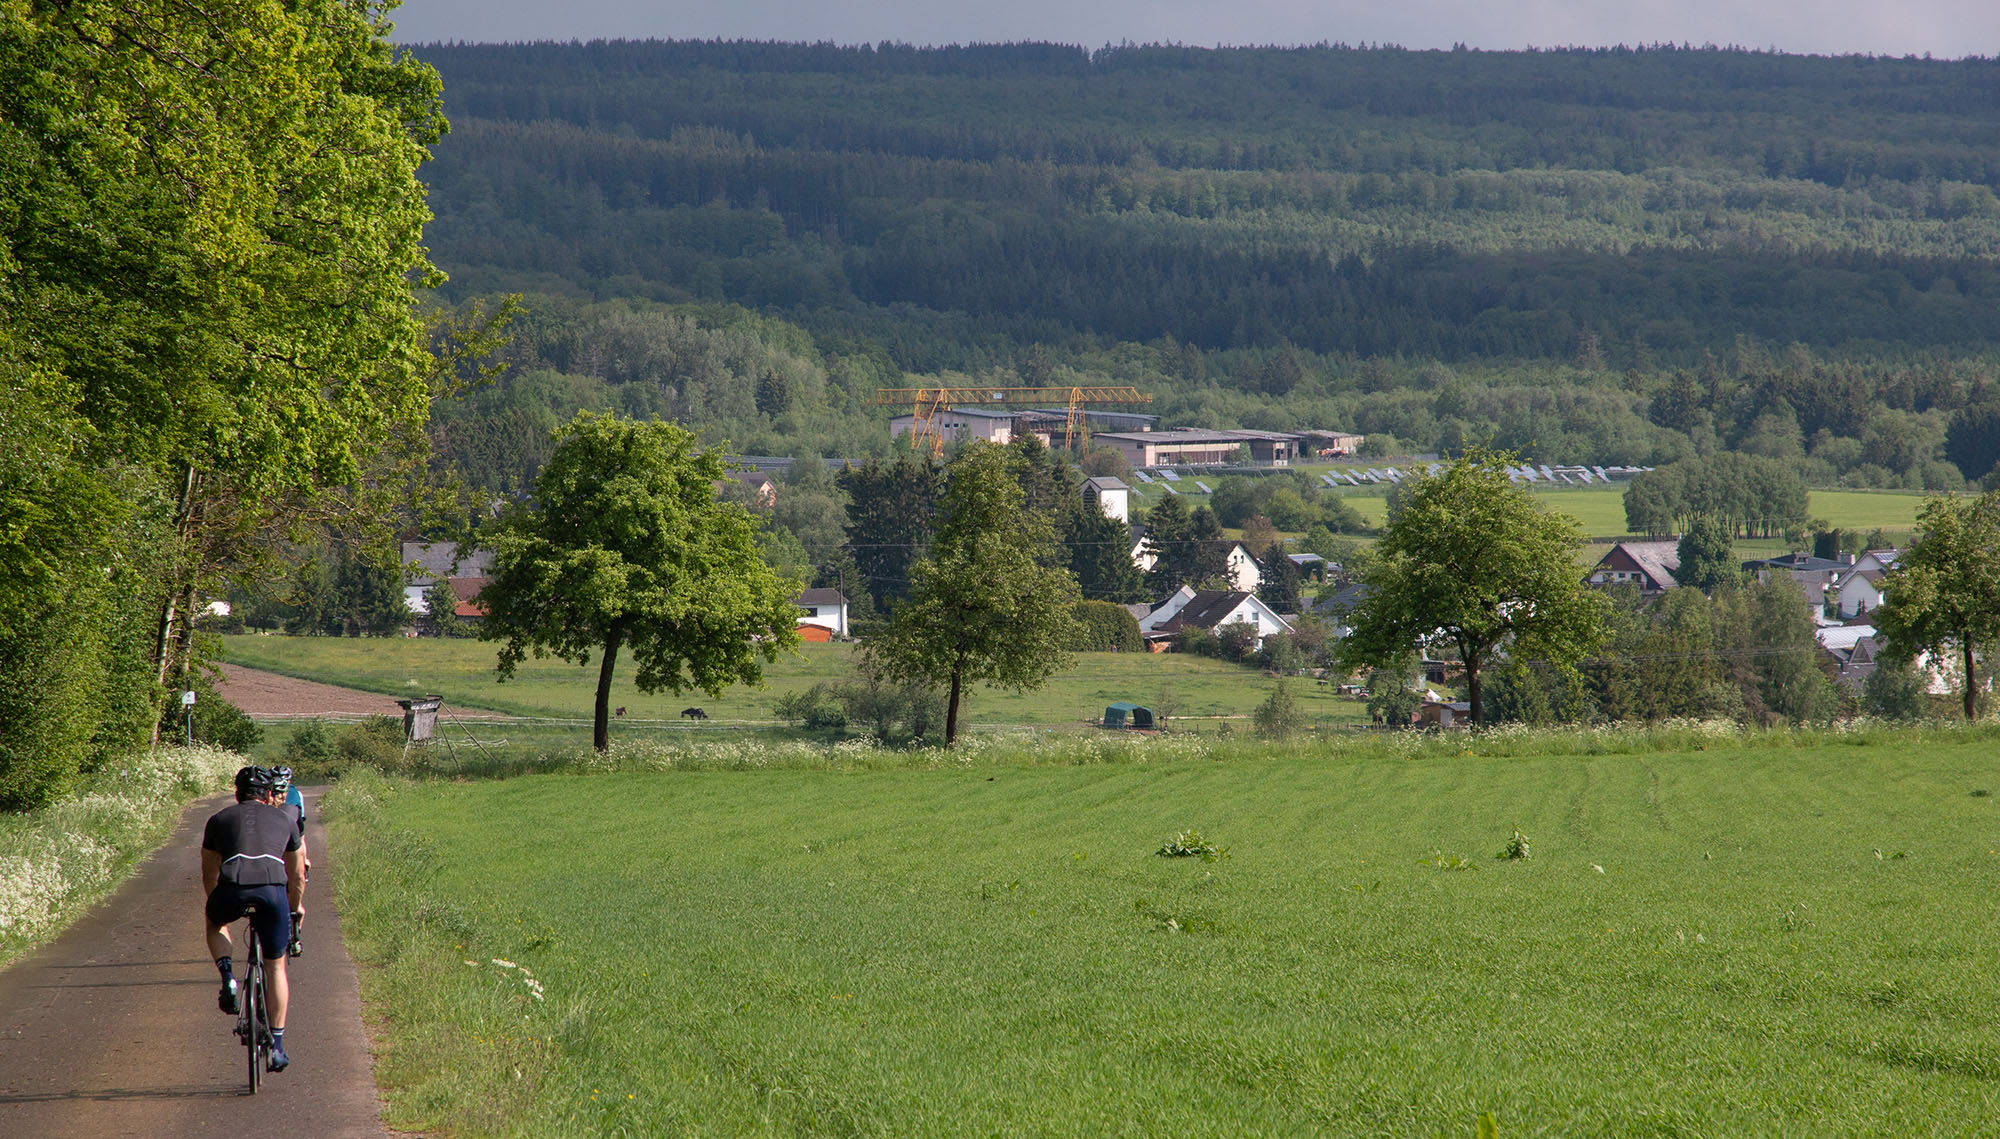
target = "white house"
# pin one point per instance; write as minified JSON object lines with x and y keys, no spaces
{"x":824,"y":609}
{"x":1190,"y":608}
{"x":1238,"y":565}
{"x":1242,"y":569}
{"x":1649,"y":565}
{"x":427,"y":563}
{"x":1111,"y":495}
{"x":1859,"y":591}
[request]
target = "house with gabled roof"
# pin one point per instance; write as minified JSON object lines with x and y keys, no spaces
{"x":823,"y":609}
{"x":1210,"y":609}
{"x":1648,"y":565}
{"x":1858,"y":592}
{"x":427,"y":563}
{"x":1336,"y":607}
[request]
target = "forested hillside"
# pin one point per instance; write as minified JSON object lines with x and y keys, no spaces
{"x":1616,"y":255}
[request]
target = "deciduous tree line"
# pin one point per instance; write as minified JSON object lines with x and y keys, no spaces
{"x":210,"y":232}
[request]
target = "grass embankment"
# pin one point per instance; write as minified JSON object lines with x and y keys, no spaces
{"x":58,"y":861}
{"x":1716,"y":934}
{"x":462,"y":671}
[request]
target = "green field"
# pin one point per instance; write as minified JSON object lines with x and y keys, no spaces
{"x":1602,"y":511}
{"x":462,"y":671}
{"x":1722,"y":936}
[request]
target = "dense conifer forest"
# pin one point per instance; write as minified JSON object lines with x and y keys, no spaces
{"x":1622,"y":255}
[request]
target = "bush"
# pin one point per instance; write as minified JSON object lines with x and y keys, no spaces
{"x":1236,"y":641}
{"x":376,"y":742}
{"x":819,"y":708}
{"x":1196,"y":642}
{"x":1390,"y":701}
{"x":1895,"y":692}
{"x":1279,"y":717}
{"x":221,"y":724}
{"x":1103,"y":627}
{"x":310,"y":752}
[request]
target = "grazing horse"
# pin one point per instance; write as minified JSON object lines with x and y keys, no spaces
{"x":620,"y":712}
{"x":693,"y":714}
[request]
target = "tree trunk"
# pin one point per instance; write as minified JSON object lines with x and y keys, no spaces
{"x":171,"y":613}
{"x":951,"y":706}
{"x":1971,"y":695}
{"x":600,"y":727}
{"x":1472,"y":691}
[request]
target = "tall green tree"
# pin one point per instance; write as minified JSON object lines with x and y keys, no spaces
{"x":624,"y":545}
{"x":1707,"y":555}
{"x":1479,"y":563}
{"x":890,"y":506}
{"x":1943,"y":596}
{"x":211,"y":230}
{"x":1186,"y":545}
{"x":989,"y":602}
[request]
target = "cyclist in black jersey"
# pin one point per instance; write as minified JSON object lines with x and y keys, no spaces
{"x":251,"y":857}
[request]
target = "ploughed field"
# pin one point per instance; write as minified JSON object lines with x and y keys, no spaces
{"x":1714,"y":934}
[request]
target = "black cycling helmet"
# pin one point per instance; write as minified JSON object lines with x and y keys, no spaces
{"x":281,"y":778}
{"x":253,"y":781}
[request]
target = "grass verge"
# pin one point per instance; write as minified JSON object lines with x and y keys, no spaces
{"x":1717,"y":933}
{"x":57,"y":862}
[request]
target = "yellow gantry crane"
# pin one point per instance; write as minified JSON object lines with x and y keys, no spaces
{"x":927,"y":403}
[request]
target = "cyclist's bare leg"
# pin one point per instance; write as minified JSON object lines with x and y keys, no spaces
{"x":219,"y":944}
{"x":277,"y":989}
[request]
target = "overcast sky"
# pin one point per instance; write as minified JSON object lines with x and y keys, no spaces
{"x":1944,"y":28}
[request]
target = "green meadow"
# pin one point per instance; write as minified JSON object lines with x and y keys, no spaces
{"x":1204,"y":691}
{"x":1714,"y":934}
{"x":1602,"y":511}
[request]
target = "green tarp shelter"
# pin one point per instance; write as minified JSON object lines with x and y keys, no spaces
{"x":1125,"y":714}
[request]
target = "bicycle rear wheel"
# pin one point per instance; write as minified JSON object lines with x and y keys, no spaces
{"x":257,"y":1018}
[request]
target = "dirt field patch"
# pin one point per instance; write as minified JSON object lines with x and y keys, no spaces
{"x":268,"y":696}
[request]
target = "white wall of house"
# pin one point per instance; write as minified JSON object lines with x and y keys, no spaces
{"x":1241,"y":569}
{"x":828,"y":610}
{"x":1259,"y":614}
{"x":1858,"y":595}
{"x":1165,"y":610}
{"x":1113,"y":497}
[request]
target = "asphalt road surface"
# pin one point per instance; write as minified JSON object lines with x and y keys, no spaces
{"x":112,"y":1030}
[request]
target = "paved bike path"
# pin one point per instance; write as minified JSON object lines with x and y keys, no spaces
{"x":112,"y":1029}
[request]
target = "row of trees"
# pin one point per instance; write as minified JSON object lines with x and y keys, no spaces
{"x":1752,"y":495}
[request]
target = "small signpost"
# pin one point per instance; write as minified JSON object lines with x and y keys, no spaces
{"x":187,"y":701}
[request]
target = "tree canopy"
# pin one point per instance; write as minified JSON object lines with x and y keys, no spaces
{"x":1477,"y":563}
{"x":989,"y":602}
{"x":624,"y":545}
{"x":210,"y":238}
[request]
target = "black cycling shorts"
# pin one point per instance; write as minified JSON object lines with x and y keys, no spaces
{"x":269,"y":908}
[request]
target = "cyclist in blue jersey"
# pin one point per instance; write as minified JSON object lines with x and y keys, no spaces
{"x":292,"y":801}
{"x":252,"y":859}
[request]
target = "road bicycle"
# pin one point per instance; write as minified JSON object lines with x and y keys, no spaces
{"x":253,"y":1018}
